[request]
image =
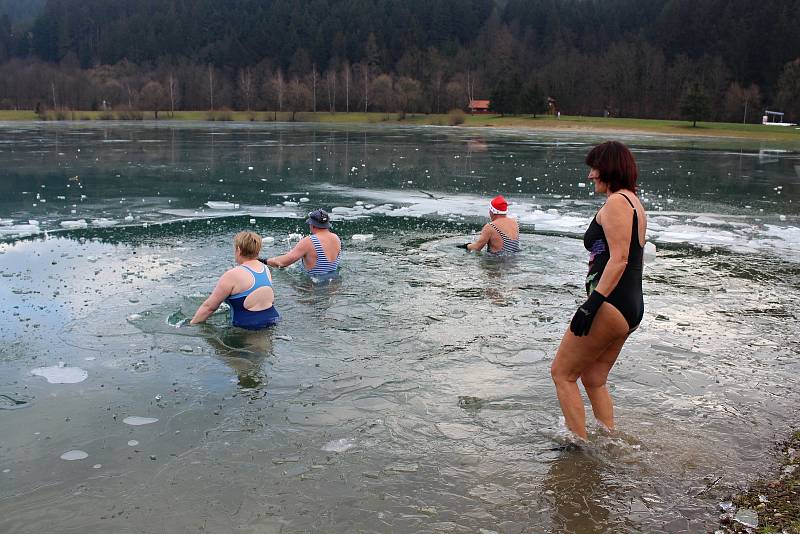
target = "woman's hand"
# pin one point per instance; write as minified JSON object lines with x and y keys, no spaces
{"x":223,"y":290}
{"x":582,"y":320}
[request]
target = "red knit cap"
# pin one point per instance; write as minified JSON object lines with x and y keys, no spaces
{"x":498,"y":206}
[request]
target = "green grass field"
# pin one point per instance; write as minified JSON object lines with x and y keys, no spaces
{"x":545,"y":123}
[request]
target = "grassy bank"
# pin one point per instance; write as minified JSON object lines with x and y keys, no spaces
{"x":543,"y":123}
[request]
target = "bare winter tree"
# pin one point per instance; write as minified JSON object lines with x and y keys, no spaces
{"x":297,"y":96}
{"x":408,"y":93}
{"x":384,"y":93}
{"x":314,"y":86}
{"x":172,"y":89}
{"x":330,"y":85}
{"x":346,"y":76}
{"x":153,"y":97}
{"x":211,"y":86}
{"x":246,"y":84}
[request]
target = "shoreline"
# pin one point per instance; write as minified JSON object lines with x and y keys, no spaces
{"x":567,"y":124}
{"x":772,"y":503}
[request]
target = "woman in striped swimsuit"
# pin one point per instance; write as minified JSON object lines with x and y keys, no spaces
{"x":320,"y":251}
{"x":502,"y":234}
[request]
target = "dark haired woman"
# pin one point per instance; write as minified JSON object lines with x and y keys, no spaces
{"x":614,"y":307}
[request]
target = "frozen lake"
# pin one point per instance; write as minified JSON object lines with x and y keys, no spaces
{"x":413,"y":393}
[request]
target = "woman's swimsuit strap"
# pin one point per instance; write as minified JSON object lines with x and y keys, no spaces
{"x":509,"y":245}
{"x":260,"y":279}
{"x":627,"y":296}
{"x":252,"y":320}
{"x":323,"y":265}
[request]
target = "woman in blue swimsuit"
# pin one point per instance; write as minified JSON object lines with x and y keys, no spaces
{"x":320,"y":251}
{"x":246,"y":288}
{"x":615,"y":306}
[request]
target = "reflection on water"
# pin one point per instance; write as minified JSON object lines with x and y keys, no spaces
{"x":580,"y":493}
{"x":244,"y":351}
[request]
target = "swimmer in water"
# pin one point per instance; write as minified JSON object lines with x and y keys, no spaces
{"x":501,"y":234}
{"x":320,"y":251}
{"x":247,"y":288}
{"x":615,"y":306}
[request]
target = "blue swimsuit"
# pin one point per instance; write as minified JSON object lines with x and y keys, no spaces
{"x":252,"y":320}
{"x":323,"y":265}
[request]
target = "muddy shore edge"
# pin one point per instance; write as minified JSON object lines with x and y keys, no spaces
{"x":771,"y":504}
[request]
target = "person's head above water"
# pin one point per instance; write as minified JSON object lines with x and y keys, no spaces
{"x":615,"y":166}
{"x":246,"y":246}
{"x":498,"y":207}
{"x":319,"y":219}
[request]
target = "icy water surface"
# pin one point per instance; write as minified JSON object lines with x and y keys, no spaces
{"x":412,"y":393}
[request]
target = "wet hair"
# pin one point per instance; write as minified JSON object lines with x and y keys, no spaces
{"x":616,"y":165}
{"x":248,"y":243}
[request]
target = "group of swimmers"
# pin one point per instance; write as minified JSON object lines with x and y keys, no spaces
{"x":247,"y":288}
{"x":599,"y":328}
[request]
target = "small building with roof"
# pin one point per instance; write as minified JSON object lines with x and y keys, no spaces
{"x":775,"y":118}
{"x":479,"y":106}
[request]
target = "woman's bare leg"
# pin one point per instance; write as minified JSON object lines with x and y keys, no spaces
{"x":594,"y":379}
{"x":576,"y":354}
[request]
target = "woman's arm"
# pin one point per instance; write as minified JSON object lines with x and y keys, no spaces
{"x":299,"y":250}
{"x":223,"y":290}
{"x":617,"y":222}
{"x":482,"y":240}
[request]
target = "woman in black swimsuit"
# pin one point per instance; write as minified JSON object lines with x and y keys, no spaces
{"x":614,"y":309}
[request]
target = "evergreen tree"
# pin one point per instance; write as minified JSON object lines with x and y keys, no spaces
{"x":789,"y":90}
{"x":532,"y":99}
{"x":695,"y":104}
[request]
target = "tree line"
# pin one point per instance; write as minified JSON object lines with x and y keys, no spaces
{"x":614,"y":57}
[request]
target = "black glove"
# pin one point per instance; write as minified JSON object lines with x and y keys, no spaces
{"x":465,"y":246}
{"x":582,"y":320}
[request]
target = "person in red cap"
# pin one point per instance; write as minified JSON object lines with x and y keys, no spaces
{"x":501,"y":234}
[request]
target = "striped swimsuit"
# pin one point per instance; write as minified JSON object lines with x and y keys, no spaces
{"x":323,"y":265}
{"x":510,"y":246}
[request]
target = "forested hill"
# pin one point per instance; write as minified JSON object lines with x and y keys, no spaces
{"x":21,"y":10}
{"x":638,"y":54}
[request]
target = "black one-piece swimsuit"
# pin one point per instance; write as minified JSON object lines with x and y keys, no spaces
{"x":627,"y":296}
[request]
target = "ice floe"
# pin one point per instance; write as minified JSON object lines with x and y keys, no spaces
{"x":74,"y":455}
{"x":61,"y":374}
{"x":135,"y":420}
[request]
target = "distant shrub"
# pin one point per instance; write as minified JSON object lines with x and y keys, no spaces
{"x":130,"y":115}
{"x":224,"y":114}
{"x":61,"y":115}
{"x":456,"y":117}
{"x":105,"y":116}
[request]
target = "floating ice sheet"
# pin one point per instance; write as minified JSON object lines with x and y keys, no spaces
{"x":74,"y":455}
{"x":339,"y":445}
{"x":363,"y":237}
{"x":74,"y":225}
{"x":135,"y":420}
{"x":222,"y":205}
{"x":60,"y":374}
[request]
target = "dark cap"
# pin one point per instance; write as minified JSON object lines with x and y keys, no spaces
{"x":319,"y":219}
